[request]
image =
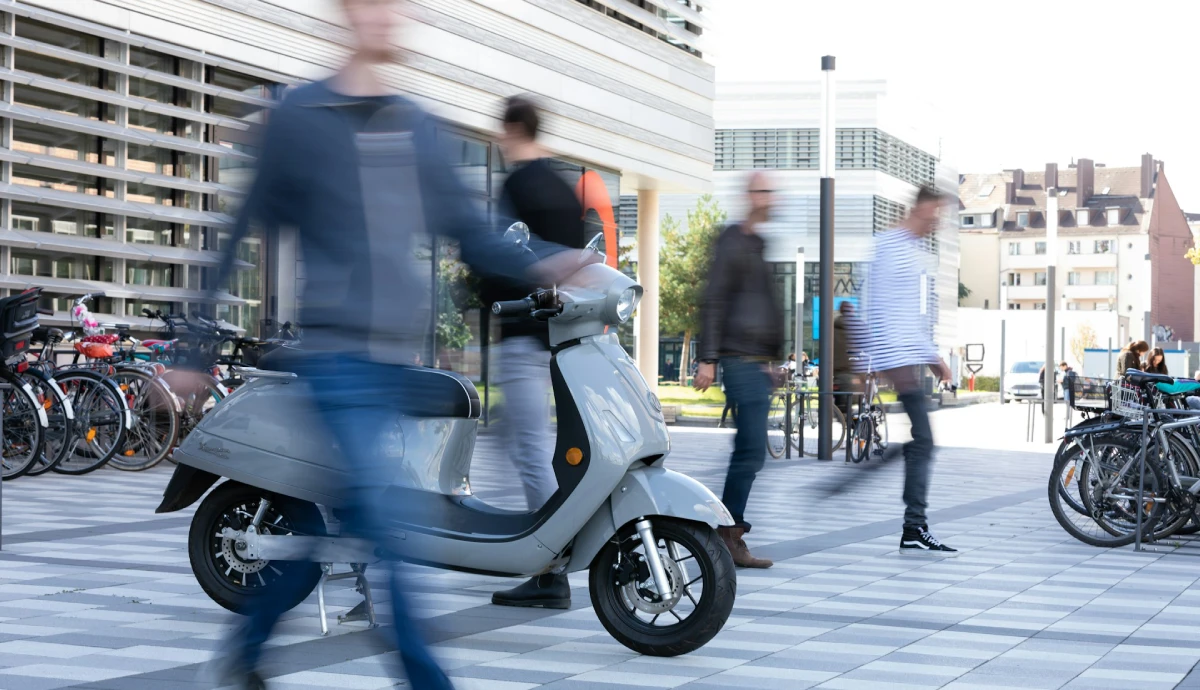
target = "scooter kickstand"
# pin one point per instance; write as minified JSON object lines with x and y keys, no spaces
{"x":365,"y":608}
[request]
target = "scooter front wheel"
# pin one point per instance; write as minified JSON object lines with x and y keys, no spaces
{"x":703,"y":584}
{"x":226,"y":575}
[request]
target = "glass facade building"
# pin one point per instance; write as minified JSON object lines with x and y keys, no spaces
{"x":122,"y":162}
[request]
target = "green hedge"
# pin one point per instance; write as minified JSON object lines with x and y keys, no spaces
{"x":988,"y":384}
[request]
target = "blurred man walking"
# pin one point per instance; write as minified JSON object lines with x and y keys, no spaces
{"x":741,"y":326}
{"x":358,"y":172}
{"x":900,"y":311}
{"x":539,"y":197}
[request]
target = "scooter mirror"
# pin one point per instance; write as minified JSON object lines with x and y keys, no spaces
{"x":517,"y":233}
{"x":595,"y":245}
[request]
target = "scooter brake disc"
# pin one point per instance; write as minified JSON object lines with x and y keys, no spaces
{"x":633,"y":591}
{"x":238,"y":562}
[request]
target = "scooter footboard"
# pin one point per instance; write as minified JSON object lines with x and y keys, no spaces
{"x":643,"y":493}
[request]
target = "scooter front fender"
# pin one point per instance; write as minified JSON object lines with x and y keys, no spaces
{"x":647,"y":492}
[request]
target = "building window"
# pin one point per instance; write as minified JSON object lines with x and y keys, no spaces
{"x":986,"y":220}
{"x":1103,"y":306}
{"x":1014,"y":305}
{"x":1106,"y":277}
{"x":798,"y":149}
{"x":1074,"y":278}
{"x":1039,"y":278}
{"x":1039,"y":247}
{"x":1039,"y":306}
{"x":1013,"y":279}
{"x":24,"y":223}
{"x":1103,"y":246}
{"x":1114,"y":216}
{"x":1072,"y":306}
{"x":1014,"y":248}
{"x":967,"y":221}
{"x":1081,"y":217}
{"x":1074,"y":247}
{"x":1023,"y":219}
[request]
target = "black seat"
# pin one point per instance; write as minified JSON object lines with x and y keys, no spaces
{"x":1141,"y":378}
{"x":430,"y":392}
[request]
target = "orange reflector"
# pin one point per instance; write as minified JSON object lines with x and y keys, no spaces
{"x":574,"y":456}
{"x":46,"y":404}
{"x":91,"y":435}
{"x":1070,"y":474}
{"x":124,"y":386}
{"x":129,"y":452}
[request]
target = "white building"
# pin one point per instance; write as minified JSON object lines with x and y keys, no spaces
{"x":128,"y":126}
{"x":886,"y":149}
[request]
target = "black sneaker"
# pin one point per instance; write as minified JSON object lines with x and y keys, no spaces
{"x":918,"y":541}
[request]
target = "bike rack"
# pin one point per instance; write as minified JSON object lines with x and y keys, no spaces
{"x":794,"y":398}
{"x":1182,"y":541}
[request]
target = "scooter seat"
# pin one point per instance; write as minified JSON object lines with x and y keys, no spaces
{"x":431,"y":392}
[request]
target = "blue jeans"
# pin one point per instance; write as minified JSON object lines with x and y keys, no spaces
{"x":357,"y":399}
{"x":748,"y":387}
{"x":918,"y":458}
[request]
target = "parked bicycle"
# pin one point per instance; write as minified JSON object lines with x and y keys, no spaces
{"x":805,"y":426}
{"x":868,"y":428}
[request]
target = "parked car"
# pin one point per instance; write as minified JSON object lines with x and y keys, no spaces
{"x":1021,"y":381}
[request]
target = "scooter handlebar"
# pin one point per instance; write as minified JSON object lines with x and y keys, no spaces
{"x":513,"y":306}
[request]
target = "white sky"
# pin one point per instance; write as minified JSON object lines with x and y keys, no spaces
{"x":1015,"y":83}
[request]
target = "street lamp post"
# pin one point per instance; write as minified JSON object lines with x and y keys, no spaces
{"x":828,"y":146}
{"x":1051,"y":306}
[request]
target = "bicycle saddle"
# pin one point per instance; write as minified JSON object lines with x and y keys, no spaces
{"x":1140,"y":378}
{"x":1193,"y":402}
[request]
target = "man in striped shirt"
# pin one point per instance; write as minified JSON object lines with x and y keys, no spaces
{"x":899,"y":317}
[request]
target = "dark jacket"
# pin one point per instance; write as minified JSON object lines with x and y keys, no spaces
{"x":365,"y":186}
{"x":845,"y":343}
{"x":539,"y":197}
{"x":1128,"y":359}
{"x":740,"y":314}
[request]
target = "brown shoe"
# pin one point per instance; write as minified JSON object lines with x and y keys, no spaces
{"x":742,"y":558}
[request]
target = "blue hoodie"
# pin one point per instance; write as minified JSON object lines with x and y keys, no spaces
{"x":365,"y":195}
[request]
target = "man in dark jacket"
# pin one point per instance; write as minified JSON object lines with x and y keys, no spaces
{"x":845,"y":345}
{"x":741,"y":326}
{"x":358,"y":173}
{"x":538,"y":196}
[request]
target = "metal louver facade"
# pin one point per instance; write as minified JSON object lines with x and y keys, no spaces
{"x":122,"y":160}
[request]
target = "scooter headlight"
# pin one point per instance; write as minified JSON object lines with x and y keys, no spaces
{"x":626,"y":303}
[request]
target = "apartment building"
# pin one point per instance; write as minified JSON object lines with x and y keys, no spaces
{"x":1122,"y":240}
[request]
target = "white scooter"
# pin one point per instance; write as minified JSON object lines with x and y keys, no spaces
{"x":661,"y":580}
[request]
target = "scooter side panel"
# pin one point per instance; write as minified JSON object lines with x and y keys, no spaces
{"x":624,"y":425}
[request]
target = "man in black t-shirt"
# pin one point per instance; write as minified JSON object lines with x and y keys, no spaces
{"x":538,"y":196}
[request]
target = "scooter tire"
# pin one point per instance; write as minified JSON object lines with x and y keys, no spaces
{"x":704,"y":621}
{"x":208,"y":561}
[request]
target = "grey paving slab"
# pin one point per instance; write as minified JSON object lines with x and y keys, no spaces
{"x":1025,"y":605}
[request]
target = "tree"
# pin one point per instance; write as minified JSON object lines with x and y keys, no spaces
{"x":1085,"y":337}
{"x":1193,"y":254}
{"x":457,"y":292}
{"x":683,"y":272}
{"x":963,"y":293}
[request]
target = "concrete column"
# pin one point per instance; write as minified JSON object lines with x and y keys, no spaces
{"x":120,"y":187}
{"x":647,"y":316}
{"x":6,"y":134}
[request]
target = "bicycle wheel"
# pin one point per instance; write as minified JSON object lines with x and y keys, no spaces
{"x":60,"y":416}
{"x":100,"y":419}
{"x":24,"y":426}
{"x":1109,"y":492}
{"x":862,"y":438}
{"x":155,"y":420}
{"x":195,"y":400}
{"x":879,"y":414}
{"x":776,"y":425}
{"x":810,"y":418}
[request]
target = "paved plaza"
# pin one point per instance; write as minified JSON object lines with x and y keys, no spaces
{"x":96,"y":591}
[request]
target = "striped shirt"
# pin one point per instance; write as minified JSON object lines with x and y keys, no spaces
{"x":901,"y":304}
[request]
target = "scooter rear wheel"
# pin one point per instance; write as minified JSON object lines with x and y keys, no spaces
{"x":703,"y":586}
{"x":237,"y":583}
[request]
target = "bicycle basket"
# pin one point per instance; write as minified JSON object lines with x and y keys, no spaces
{"x":1127,"y":401}
{"x":18,"y":321}
{"x":1085,"y":393}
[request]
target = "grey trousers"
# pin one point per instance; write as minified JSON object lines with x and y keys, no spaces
{"x":524,"y":378}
